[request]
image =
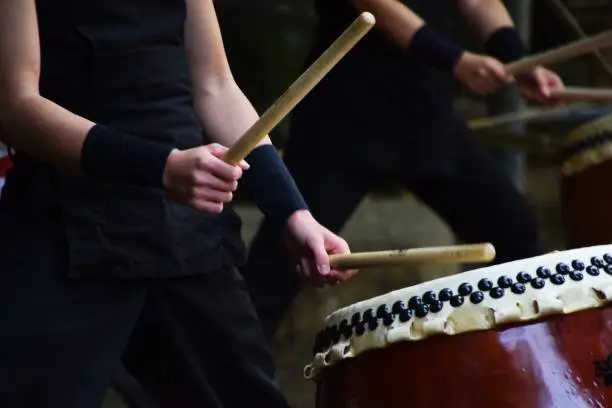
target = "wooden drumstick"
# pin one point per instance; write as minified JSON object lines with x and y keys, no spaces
{"x":300,"y":88}
{"x":573,"y":23}
{"x":526,"y":114}
{"x":583,"y":94}
{"x":562,"y":53}
{"x":444,"y":254}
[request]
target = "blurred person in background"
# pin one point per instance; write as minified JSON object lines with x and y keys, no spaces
{"x":385,"y":112}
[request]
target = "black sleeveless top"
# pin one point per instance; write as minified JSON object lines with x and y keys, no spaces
{"x":121,"y":63}
{"x":378,"y":106}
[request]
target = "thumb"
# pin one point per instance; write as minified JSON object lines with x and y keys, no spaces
{"x":321,"y":258}
{"x":499,"y":72}
{"x":542,"y":82}
{"x":217,"y":150}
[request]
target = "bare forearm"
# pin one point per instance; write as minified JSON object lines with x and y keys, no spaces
{"x":486,"y":16}
{"x":393,"y":18}
{"x":44,"y":130}
{"x":226,"y":113}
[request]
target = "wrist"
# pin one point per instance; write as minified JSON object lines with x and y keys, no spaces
{"x":461,"y":61}
{"x":506,"y":45}
{"x":431,"y":46}
{"x":297,"y":216}
{"x":109,"y":155}
{"x":271,"y":186}
{"x":171,"y":163}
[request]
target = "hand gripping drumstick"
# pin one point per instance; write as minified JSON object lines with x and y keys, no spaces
{"x":300,"y":88}
{"x":562,"y":53}
{"x":444,"y":254}
{"x":583,"y":94}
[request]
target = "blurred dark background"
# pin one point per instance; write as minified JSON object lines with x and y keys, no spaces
{"x":267,"y":41}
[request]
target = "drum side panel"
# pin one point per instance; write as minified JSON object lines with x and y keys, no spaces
{"x":586,"y":200}
{"x":565,"y":361}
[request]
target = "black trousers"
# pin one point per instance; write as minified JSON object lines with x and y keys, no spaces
{"x":61,"y":340}
{"x":472,"y":195}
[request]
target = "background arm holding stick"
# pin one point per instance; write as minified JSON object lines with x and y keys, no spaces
{"x":561,"y":54}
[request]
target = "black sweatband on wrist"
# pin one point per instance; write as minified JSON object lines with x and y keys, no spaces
{"x":270,"y":185}
{"x":109,"y":155}
{"x":506,"y":45}
{"x":428,"y":44}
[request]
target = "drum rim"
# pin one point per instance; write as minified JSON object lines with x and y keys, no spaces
{"x":594,"y":290}
{"x":586,"y":130}
{"x":595,"y":149}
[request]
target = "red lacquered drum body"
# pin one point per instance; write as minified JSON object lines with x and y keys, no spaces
{"x":564,"y":361}
{"x":586,"y":176}
{"x":587,"y":206}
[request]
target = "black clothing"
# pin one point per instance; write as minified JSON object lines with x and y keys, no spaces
{"x":65,"y":240}
{"x":62,"y":338}
{"x":123,"y":64}
{"x":378,"y":99}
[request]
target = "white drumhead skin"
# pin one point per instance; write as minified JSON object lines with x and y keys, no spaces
{"x":579,"y":279}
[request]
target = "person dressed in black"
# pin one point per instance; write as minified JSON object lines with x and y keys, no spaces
{"x":386,"y":112}
{"x":119,"y":112}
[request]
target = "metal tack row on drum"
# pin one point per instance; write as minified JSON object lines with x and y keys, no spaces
{"x":534,"y":333}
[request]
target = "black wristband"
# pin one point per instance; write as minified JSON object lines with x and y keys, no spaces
{"x":270,"y":184}
{"x":434,"y":48}
{"x":506,"y":45}
{"x":114,"y":156}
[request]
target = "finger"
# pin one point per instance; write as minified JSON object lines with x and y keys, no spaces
{"x":320,"y":258}
{"x":496,"y":71}
{"x":338,"y":276}
{"x":533,"y":95}
{"x":207,"y":194}
{"x":541,"y":80}
{"x":555,"y":84}
{"x":207,"y":206}
{"x":220,"y":169}
{"x":244,"y":165}
{"x":308,"y":274}
{"x":343,"y":275}
{"x":208,"y":180}
{"x":487,"y":83}
{"x":335,"y":244}
{"x":217,"y":150}
{"x":303,"y":275}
